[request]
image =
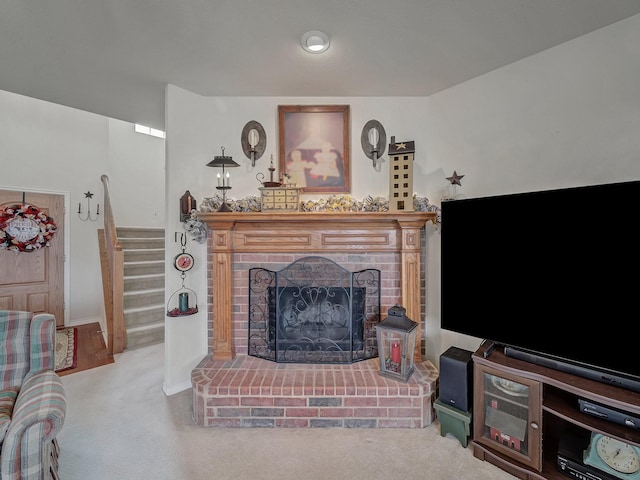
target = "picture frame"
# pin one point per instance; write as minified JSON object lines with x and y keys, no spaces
{"x":314,"y":147}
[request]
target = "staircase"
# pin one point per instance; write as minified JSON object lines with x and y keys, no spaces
{"x":144,"y":307}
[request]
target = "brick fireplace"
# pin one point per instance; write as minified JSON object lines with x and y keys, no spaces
{"x":233,"y":389}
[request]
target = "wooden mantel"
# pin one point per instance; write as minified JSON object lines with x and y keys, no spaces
{"x":286,"y":232}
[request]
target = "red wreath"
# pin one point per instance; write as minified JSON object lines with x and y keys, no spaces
{"x":25,"y":228}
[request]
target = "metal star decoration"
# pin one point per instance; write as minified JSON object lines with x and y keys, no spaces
{"x":455,"y":178}
{"x":401,"y":146}
{"x":88,"y":195}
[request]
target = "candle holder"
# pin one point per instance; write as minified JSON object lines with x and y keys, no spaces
{"x":373,"y":140}
{"x":183,"y":262}
{"x":186,"y":298}
{"x":396,"y":337}
{"x":224,"y":179}
{"x":223,"y":206}
{"x":88,"y":196}
{"x":271,"y":182}
{"x":254,"y":141}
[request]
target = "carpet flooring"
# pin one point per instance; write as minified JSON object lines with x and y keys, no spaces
{"x":121,"y":425}
{"x":66,"y":349}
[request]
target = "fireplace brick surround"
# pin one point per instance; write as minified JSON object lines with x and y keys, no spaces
{"x":232,"y":389}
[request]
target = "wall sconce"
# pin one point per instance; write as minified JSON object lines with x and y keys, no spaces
{"x":88,"y":196}
{"x":254,"y":141}
{"x":396,"y":337}
{"x":187,"y":204}
{"x":373,"y":140}
{"x":224,"y":180}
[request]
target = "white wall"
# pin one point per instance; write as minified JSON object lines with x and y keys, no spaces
{"x":569,"y":116}
{"x":136,"y":177}
{"x":48,"y":147}
{"x":565,"y":117}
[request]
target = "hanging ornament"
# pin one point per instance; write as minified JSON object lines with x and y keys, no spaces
{"x":183,"y":262}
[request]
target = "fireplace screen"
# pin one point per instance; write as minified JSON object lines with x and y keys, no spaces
{"x":313,"y":311}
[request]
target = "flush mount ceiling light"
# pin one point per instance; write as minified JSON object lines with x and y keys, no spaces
{"x":315,"y":41}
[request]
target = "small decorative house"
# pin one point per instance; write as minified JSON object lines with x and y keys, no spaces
{"x":401,"y":156}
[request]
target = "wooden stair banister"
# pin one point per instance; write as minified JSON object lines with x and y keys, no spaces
{"x":112,"y":259}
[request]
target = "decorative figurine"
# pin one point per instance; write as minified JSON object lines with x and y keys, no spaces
{"x":401,"y":157}
{"x":278,"y":195}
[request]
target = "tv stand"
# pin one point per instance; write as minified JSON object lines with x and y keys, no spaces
{"x":575,"y":369}
{"x":519,"y":405}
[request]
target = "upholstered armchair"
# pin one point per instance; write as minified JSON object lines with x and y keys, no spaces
{"x":32,"y":399}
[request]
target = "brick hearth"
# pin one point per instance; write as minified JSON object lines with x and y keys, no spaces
{"x":252,"y":392}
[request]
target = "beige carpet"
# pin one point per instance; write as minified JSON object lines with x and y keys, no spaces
{"x":120,"y":425}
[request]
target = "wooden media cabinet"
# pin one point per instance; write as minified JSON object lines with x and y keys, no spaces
{"x":522,"y":410}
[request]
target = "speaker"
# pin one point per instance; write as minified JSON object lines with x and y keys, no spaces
{"x":456,"y":378}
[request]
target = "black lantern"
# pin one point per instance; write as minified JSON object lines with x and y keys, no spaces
{"x":224,"y":182}
{"x":396,"y":336}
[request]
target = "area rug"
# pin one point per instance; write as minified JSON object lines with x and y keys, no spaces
{"x":66,"y":349}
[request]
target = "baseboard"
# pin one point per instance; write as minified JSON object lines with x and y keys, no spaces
{"x":175,"y":388}
{"x":84,"y":321}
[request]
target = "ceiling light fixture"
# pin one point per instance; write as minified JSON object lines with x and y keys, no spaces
{"x":315,"y":41}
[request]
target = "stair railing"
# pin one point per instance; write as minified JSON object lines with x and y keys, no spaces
{"x":112,"y":260}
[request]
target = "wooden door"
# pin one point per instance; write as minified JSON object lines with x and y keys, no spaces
{"x":34,"y":281}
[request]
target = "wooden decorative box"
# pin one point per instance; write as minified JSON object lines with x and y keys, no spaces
{"x":280,"y":198}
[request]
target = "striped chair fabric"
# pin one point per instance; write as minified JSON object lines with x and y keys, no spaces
{"x":29,"y":450}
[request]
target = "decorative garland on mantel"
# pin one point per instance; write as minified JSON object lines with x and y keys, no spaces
{"x":335,"y":203}
{"x":25,"y":228}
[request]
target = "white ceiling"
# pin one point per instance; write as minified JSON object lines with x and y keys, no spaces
{"x":114,"y":57}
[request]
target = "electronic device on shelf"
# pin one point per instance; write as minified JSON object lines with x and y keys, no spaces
{"x":570,"y":457}
{"x":607,"y":413}
{"x":512,"y":272}
{"x":593,"y":373}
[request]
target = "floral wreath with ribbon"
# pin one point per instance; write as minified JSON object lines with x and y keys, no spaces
{"x":25,"y":228}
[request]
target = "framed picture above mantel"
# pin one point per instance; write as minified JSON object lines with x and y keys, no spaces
{"x":314,"y":149}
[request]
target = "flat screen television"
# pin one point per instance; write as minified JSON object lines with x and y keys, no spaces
{"x":551,"y":275}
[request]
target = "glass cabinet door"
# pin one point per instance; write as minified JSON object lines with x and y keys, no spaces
{"x":508,"y":415}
